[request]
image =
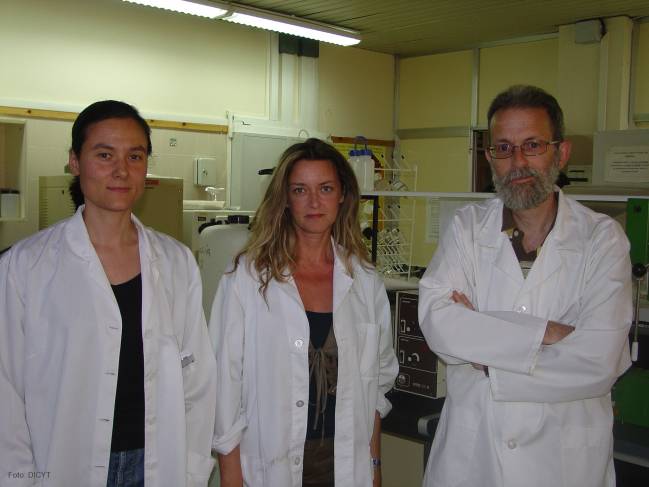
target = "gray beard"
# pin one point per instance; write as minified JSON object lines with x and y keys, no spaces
{"x":529,"y":195}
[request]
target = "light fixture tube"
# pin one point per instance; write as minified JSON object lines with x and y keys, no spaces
{"x":195,"y":7}
{"x":293,"y":26}
{"x":261,"y":19}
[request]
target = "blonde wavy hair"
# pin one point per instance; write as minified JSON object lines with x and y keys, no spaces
{"x":270,"y":250}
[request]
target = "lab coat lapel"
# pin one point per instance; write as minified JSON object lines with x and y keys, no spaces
{"x":148,"y":269}
{"x":342,"y":279}
{"x":556,"y":251}
{"x":289,"y":287}
{"x":494,"y":246}
{"x":77,"y":237}
{"x":342,"y":282}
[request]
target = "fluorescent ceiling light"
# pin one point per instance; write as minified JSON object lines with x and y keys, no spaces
{"x":193,"y":8}
{"x":292,"y":26}
{"x":259,"y":18}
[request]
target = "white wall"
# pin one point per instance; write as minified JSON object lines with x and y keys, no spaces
{"x":65,"y":54}
{"x":69,"y":53}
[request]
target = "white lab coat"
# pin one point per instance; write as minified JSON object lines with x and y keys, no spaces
{"x":543,"y":416}
{"x":60,"y":336}
{"x":263,"y":376}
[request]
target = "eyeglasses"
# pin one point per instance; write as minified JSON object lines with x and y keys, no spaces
{"x":505,"y":150}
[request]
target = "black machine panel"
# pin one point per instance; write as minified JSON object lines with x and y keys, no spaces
{"x":420,"y":371}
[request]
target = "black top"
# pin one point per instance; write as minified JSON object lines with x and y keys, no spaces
{"x":128,"y":421}
{"x":320,"y":324}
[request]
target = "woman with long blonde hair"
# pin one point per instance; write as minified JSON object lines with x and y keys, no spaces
{"x":301,"y":331}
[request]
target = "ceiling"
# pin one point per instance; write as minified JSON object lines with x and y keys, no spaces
{"x":418,"y":27}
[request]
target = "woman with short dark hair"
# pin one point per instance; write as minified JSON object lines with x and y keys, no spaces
{"x":106,"y":374}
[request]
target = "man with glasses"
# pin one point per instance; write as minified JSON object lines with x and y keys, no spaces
{"x":528,"y":300}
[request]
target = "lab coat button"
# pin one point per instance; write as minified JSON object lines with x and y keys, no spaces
{"x":299,"y":343}
{"x":511,"y":444}
{"x":296,"y":461}
{"x":299,"y":404}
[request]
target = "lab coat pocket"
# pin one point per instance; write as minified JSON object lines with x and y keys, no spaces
{"x":199,"y":468}
{"x":449,"y":466}
{"x":369,"y":335}
{"x":252,"y":471}
{"x":585,"y":454}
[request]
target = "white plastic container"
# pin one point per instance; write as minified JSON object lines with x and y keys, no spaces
{"x":363,"y":166}
{"x":9,"y":203}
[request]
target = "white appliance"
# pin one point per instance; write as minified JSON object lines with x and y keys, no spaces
{"x":217,"y":246}
{"x":195,"y":219}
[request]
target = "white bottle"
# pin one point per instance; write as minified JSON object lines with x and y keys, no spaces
{"x":363,"y":166}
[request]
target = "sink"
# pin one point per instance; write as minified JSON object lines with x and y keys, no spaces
{"x":203,"y":205}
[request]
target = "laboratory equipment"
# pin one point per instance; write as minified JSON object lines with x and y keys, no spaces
{"x":420,"y":370}
{"x":9,"y":203}
{"x":159,"y":207}
{"x":198,"y":215}
{"x":218,"y":244}
{"x":637,"y":230}
{"x":638,"y":271}
{"x":390,"y":238}
{"x":631,"y":395}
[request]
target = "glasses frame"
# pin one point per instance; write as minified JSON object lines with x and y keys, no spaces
{"x":492,"y":149}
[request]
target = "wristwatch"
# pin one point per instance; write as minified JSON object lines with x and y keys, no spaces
{"x":376,"y":462}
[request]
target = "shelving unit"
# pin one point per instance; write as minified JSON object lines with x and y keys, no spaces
{"x":390,"y":217}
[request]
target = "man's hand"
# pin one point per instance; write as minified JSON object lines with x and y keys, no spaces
{"x":460,"y":298}
{"x":555,"y":332}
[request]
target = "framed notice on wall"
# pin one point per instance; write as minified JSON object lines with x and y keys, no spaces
{"x":627,"y":164}
{"x":621,"y":158}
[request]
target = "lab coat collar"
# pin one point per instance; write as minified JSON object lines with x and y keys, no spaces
{"x":564,"y":227}
{"x":491,"y":234}
{"x":560,"y":240}
{"x":78,"y":239}
{"x":341,"y":285}
{"x":342,"y":280}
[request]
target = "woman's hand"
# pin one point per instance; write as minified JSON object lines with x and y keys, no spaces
{"x":230,"y":469}
{"x":375,"y":449}
{"x":376,"y":481}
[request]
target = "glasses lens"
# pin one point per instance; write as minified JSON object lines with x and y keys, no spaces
{"x":501,"y":151}
{"x":534,"y":147}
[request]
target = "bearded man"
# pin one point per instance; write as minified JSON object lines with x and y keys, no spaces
{"x":528,"y":301}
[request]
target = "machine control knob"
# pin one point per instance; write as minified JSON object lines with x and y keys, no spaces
{"x":639,"y":270}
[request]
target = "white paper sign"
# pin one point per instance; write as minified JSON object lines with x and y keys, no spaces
{"x":432,"y":220}
{"x":627,"y":164}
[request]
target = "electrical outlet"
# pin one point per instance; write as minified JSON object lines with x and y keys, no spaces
{"x":173,"y":142}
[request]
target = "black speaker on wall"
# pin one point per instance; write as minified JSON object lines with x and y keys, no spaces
{"x":298,"y":46}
